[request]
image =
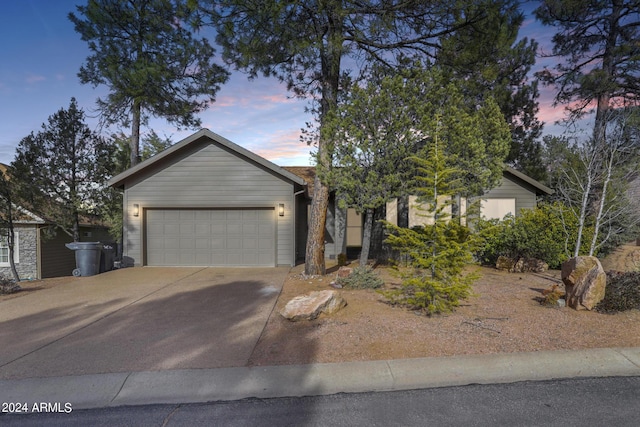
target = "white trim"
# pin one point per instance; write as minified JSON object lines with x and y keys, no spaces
{"x":16,"y":250}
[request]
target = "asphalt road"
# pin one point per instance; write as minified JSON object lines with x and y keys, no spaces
{"x":566,"y":403}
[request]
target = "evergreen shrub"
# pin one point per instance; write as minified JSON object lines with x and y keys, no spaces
{"x":361,"y":278}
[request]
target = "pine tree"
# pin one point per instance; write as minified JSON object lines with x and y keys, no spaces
{"x":438,"y":251}
{"x":146,"y":54}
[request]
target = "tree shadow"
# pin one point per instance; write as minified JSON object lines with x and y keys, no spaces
{"x":202,"y":325}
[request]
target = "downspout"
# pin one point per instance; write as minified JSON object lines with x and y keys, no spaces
{"x":38,"y":253}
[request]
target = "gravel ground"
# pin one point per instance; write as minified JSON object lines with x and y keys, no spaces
{"x":503,"y":316}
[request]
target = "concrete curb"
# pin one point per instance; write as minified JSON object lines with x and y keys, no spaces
{"x":206,"y":385}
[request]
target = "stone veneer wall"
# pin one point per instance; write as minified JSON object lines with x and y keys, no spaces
{"x":27,"y":264}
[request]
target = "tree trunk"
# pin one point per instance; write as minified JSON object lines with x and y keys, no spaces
{"x":12,"y":263}
{"x":134,"y":142}
{"x":584,"y":204}
{"x":314,"y":257}
{"x":331,"y":55}
{"x":609,"y":68}
{"x":11,"y":242}
{"x":366,"y":237}
{"x":76,"y":227}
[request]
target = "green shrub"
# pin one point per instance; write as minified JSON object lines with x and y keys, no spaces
{"x":622,"y":293}
{"x":546,"y":232}
{"x":438,"y":254}
{"x":420,"y":292}
{"x":361,"y":278}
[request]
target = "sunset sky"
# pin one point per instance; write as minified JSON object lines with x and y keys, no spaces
{"x":41,"y":54}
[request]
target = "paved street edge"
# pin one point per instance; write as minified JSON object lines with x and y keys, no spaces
{"x":207,"y":385}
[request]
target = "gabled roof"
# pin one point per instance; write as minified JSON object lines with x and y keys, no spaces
{"x":536,"y":184}
{"x":20,"y":214}
{"x":308,"y":173}
{"x":118,"y":180}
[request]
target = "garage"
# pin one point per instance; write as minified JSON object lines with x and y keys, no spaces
{"x":206,"y":201}
{"x":211,"y":237}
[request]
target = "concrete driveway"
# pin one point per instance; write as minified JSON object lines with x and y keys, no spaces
{"x":138,"y":319}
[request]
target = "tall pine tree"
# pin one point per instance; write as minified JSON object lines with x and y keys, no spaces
{"x":145,"y":53}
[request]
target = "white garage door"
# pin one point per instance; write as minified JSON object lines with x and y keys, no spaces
{"x":211,"y":237}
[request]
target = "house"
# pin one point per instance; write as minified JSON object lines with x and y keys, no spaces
{"x":344,"y":228}
{"x":206,"y":201}
{"x":39,"y":250}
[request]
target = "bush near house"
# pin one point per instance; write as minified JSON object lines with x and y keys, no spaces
{"x":546,"y":232}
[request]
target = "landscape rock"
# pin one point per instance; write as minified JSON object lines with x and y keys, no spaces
{"x":504,"y":263}
{"x":344,"y":272}
{"x":521,"y":265}
{"x":309,"y":307}
{"x":585,"y":282}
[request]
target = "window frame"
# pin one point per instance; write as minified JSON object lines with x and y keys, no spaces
{"x":5,"y":246}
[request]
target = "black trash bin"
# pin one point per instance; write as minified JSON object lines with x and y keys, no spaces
{"x":87,"y":257}
{"x":108,"y":256}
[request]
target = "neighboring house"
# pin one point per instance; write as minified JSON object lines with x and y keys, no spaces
{"x":40,"y":253}
{"x":206,"y":201}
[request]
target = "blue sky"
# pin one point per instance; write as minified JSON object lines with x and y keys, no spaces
{"x":41,"y":55}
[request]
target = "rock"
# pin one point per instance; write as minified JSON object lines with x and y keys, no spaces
{"x":521,"y":265}
{"x":504,"y":263}
{"x":535,"y":265}
{"x":309,"y":307}
{"x":585,"y":281}
{"x":344,"y":272}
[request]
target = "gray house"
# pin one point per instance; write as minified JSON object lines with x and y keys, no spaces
{"x":206,"y":201}
{"x":344,"y":227}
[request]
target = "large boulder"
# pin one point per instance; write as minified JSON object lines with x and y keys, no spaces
{"x":309,"y":307}
{"x":585,"y":282}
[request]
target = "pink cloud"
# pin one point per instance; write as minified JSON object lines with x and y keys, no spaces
{"x":282,"y":145}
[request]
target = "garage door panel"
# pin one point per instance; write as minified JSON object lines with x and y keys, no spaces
{"x":187,"y":229}
{"x":187,"y":243}
{"x":249,"y":244}
{"x":202,"y":229}
{"x":203,"y":244}
{"x":233,"y":243}
{"x":170,"y":215}
{"x":187,"y":215}
{"x":199,"y":237}
{"x":234,"y":227}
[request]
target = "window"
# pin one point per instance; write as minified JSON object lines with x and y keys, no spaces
{"x":419,"y":214}
{"x":497,"y":208}
{"x":4,"y":250}
{"x":354,"y":228}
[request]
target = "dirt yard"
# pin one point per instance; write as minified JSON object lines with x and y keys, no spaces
{"x":503,"y":316}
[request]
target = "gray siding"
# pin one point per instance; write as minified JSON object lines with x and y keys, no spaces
{"x":56,"y":260}
{"x":509,"y":188}
{"x":205,"y":175}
